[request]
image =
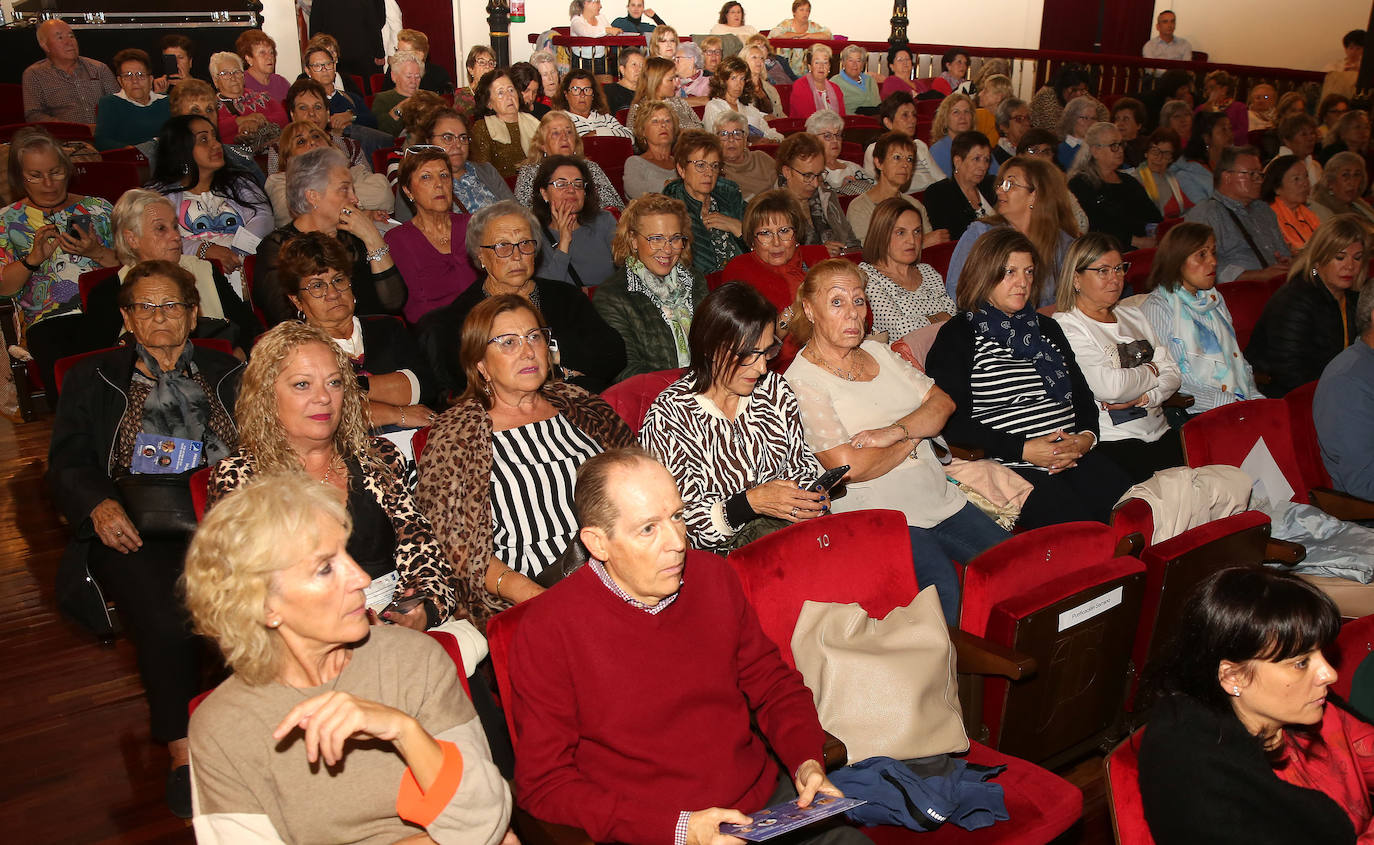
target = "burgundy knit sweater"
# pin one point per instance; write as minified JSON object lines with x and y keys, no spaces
{"x":626,"y":719}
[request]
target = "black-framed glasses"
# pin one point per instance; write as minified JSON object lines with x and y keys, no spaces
{"x":505,"y":249}
{"x":751,"y":356}
{"x":658,"y":243}
{"x":808,"y":178}
{"x":320,"y":288}
{"x":147,"y":310}
{"x":580,"y":89}
{"x":1105,"y":270}
{"x":511,"y":344}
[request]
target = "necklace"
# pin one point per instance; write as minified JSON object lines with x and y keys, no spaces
{"x":329,"y":470}
{"x":847,"y":375}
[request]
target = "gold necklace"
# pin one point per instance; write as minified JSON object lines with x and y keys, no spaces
{"x":847,"y":375}
{"x":329,"y":470}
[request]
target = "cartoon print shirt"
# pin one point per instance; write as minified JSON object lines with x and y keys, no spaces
{"x":53,"y":289}
{"x":219,"y":220}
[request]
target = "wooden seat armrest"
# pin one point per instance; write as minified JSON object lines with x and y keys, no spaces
{"x":1179,"y":400}
{"x":533,"y":831}
{"x":977,"y":656}
{"x":1285,"y":552}
{"x":1341,"y":505}
{"x":836,"y":754}
{"x":1131,"y":545}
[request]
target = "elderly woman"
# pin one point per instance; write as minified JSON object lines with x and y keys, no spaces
{"x":1309,"y":320}
{"x":693,"y":83}
{"x":1330,"y":109}
{"x":145,"y":227}
{"x":903,"y":293}
{"x":1033,"y":199}
{"x":955,"y":115}
{"x":580,"y":97}
{"x":122,"y":410}
{"x":755,"y":56}
{"x":894,"y":156}
{"x":481,"y":61}
{"x":135,"y":113}
{"x":714,"y":205}
{"x":577,"y":230}
{"x":1262,"y":107}
{"x":815,"y":91}
{"x":1129,"y":370}
{"x":1116,"y":205}
{"x":775,"y":226}
{"x":1013,"y":122}
{"x":301,"y":410}
{"x":1155,"y":176}
{"x":1017,"y":388}
{"x":953,"y":76}
{"x":221,"y":211}
{"x":496,"y":477}
{"x":655,"y":128}
{"x":1286,"y":189}
{"x":547,"y":67}
{"x":901,"y":73}
{"x":898,"y":114}
{"x":501,"y":131}
{"x":732,"y":90}
{"x":1191,"y":319}
{"x":506,"y":240}
{"x":327,"y":725}
{"x":259,"y":54}
{"x":799,"y":25}
{"x":407,"y":68}
{"x":1128,"y":116}
{"x":754,"y":171}
{"x":1344,"y":180}
{"x":306,"y":100}
{"x":320,"y":196}
{"x":859,"y":88}
{"x":248,"y":119}
{"x":1242,"y":744}
{"x":390,"y":369}
{"x":650,"y":299}
{"x":844,"y":178}
{"x":428,"y":248}
{"x":730,"y":431}
{"x":621,"y":93}
{"x":801,"y":171}
{"x":49,"y":238}
{"x":1080,"y":115}
{"x":1298,"y":136}
{"x":476,"y":184}
{"x":659,"y":83}
{"x":864,"y":407}
{"x":967,"y":195}
{"x":345,"y":107}
{"x":990,"y":91}
{"x":373,"y":189}
{"x":586,"y":21}
{"x":1047,"y":105}
{"x":731,"y":22}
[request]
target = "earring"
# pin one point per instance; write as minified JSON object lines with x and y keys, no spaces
{"x":1077,"y":289}
{"x":1235,"y":691}
{"x":275,"y":623}
{"x":1031,"y":206}
{"x":1314,"y":272}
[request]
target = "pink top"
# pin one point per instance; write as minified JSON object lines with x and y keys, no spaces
{"x":276,"y":86}
{"x":893,"y":84}
{"x":432,"y":278}
{"x":804,"y":99}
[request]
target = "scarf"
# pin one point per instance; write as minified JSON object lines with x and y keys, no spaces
{"x":822,"y":97}
{"x":670,"y":294}
{"x":177,"y":404}
{"x":1204,"y":341}
{"x":525,"y":123}
{"x":1297,"y":224}
{"x":1020,"y":334}
{"x":470,"y":192}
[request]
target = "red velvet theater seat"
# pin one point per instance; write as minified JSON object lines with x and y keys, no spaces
{"x":1123,"y":790}
{"x":632,"y":397}
{"x":1061,"y":595}
{"x":1355,"y":643}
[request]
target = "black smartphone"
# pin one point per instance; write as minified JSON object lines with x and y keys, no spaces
{"x":404,"y":604}
{"x":169,"y":64}
{"x":78,"y":224}
{"x":828,"y":479}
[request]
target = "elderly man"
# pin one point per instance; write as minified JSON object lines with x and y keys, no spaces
{"x":1249,"y":243}
{"x":65,"y":85}
{"x":1344,"y":406}
{"x":1166,"y":45}
{"x":634,"y":723}
{"x":801,"y":170}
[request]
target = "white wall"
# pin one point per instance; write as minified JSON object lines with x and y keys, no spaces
{"x":279,"y":21}
{"x":1301,"y":35}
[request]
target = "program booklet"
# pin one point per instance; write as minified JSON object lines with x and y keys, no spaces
{"x":785,"y":818}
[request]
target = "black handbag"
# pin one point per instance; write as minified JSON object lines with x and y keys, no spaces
{"x":571,"y":560}
{"x":159,"y":505}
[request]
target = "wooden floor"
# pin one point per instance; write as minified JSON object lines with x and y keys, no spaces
{"x":76,"y":764}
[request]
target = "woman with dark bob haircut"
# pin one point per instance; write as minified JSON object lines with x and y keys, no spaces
{"x":1243,"y":746}
{"x":577,"y":230}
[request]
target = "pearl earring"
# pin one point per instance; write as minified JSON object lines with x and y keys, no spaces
{"x":275,"y":623}
{"x":1235,"y":691}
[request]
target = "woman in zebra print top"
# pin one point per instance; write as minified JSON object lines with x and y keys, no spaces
{"x":1018,"y":392}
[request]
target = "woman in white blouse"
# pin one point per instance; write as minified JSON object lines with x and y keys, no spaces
{"x":732,"y":90}
{"x":1130,"y":372}
{"x":587,"y":22}
{"x":865,"y":407}
{"x":904,"y":293}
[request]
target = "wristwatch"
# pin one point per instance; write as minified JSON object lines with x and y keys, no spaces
{"x":33,"y":268}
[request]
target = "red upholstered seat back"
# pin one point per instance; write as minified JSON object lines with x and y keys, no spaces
{"x":200,"y":491}
{"x":1123,"y":787}
{"x":938,"y":256}
{"x":108,"y":179}
{"x":862,"y":556}
{"x":418,"y":441}
{"x":1141,"y":262}
{"x":632,"y":397}
{"x":1246,"y":302}
{"x":1352,"y":646}
{"x":1225,"y":435}
{"x":500,"y":634}
{"x":92,"y":279}
{"x":64,"y":365}
{"x":610,"y":154}
{"x":1304,"y":428}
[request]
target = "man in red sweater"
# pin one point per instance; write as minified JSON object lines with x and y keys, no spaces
{"x":633,"y":681}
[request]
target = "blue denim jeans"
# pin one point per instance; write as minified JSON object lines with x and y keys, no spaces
{"x":961,"y":537}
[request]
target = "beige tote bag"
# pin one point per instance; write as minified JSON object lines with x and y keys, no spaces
{"x":886,"y":687}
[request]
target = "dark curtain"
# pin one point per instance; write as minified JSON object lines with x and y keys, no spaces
{"x":1072,"y":25}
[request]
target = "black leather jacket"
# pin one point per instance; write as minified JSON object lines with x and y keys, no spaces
{"x":1298,"y":334}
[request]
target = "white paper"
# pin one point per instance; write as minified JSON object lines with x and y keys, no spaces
{"x":1270,"y":483}
{"x":1091,"y":608}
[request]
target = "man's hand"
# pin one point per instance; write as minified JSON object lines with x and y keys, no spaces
{"x":703,"y":826}
{"x":811,"y":779}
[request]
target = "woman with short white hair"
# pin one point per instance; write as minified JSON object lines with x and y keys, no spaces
{"x":815,"y":92}
{"x":860,"y":89}
{"x":249,"y":119}
{"x":407,"y":69}
{"x":844,"y":177}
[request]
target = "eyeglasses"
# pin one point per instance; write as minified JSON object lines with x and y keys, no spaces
{"x":1007,"y":185}
{"x":320,"y":287}
{"x":575,"y":184}
{"x":1108,"y":270}
{"x":505,"y":249}
{"x":229,"y":74}
{"x":484,"y":62}
{"x":1115,"y":146}
{"x":731,"y":134}
{"x":1252,"y":175}
{"x":448,"y":138}
{"x":809,"y":178}
{"x":146,"y":310}
{"x":1159,"y":151}
{"x":1038,"y":151}
{"x":50,"y":176}
{"x":828,"y":136}
{"x":782,"y":233}
{"x":134,"y":74}
{"x":704,"y":166}
{"x":580,"y":89}
{"x":416,"y":149}
{"x":712,"y":52}
{"x":511,"y":344}
{"x":751,"y":356}
{"x":658,"y":243}
{"x":321,"y":66}
{"x":895,"y":157}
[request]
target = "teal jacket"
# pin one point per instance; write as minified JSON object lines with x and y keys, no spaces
{"x":707,"y":255}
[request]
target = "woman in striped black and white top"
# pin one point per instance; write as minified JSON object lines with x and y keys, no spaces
{"x":1018,"y":390}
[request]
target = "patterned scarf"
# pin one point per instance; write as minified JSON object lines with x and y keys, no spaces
{"x":670,"y":294}
{"x":470,"y":192}
{"x":1204,"y":342}
{"x":1020,"y":334}
{"x":178,"y":405}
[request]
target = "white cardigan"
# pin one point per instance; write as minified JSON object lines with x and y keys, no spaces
{"x":1094,"y":345}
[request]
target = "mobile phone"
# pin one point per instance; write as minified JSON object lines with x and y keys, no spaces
{"x":77,"y":223}
{"x":404,"y":604}
{"x":169,"y":64}
{"x":828,"y":479}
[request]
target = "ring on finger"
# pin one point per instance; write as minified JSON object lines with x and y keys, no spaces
{"x":121,"y":533}
{"x":794,"y":513}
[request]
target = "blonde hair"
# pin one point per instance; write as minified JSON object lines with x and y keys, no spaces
{"x":537,"y":149}
{"x":286,"y":147}
{"x":623,"y":246}
{"x":1084,"y":253}
{"x":128,"y":217}
{"x":255,"y":532}
{"x":800,"y":326}
{"x":645,"y":113}
{"x":1335,"y":234}
{"x":939,"y":127}
{"x":819,"y":50}
{"x":261,"y":433}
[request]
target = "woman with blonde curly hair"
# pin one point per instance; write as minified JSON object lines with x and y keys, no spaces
{"x":345,"y":726}
{"x":557,"y":135}
{"x":301,"y":410}
{"x":955,"y":115}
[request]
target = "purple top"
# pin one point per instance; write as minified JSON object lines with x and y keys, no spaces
{"x":434,"y":279}
{"x":276,"y":86}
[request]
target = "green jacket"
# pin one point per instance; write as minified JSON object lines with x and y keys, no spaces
{"x":648,"y":340}
{"x":707,"y":256}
